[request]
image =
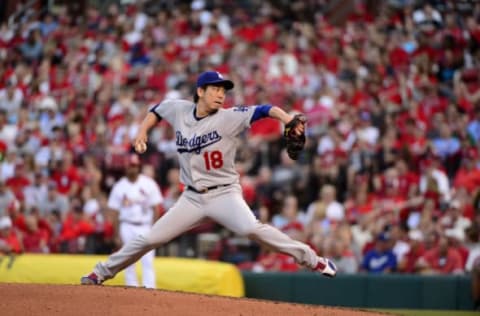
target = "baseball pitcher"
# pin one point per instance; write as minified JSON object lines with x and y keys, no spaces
{"x":206,"y":137}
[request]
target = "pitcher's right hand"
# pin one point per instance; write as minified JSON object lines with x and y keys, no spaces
{"x":140,"y":143}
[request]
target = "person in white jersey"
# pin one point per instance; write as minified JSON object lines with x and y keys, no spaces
{"x":206,"y":137}
{"x":136,"y":199}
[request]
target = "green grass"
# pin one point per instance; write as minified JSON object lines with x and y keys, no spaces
{"x":413,"y":312}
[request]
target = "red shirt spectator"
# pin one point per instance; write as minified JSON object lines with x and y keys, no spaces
{"x":360,"y":14}
{"x":275,"y":262}
{"x":442,"y":259}
{"x":66,"y":176}
{"x":468,"y":175}
{"x":76,"y":225}
{"x":59,"y":81}
{"x":35,"y":238}
{"x":408,"y":265}
{"x":248,"y":32}
{"x":399,"y":58}
{"x":417,"y":250}
{"x":157,"y":79}
{"x":432,"y":103}
{"x":362,"y":203}
{"x":19,"y":181}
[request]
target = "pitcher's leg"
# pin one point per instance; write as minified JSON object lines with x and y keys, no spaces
{"x":181,"y":217}
{"x":280,"y":242}
{"x":232,"y":211}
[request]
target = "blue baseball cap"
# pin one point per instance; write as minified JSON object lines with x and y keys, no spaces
{"x":213,"y":77}
{"x":383,"y":236}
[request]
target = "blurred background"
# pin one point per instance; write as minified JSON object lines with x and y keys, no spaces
{"x":390,"y":178}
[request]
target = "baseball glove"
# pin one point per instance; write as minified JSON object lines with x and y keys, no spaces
{"x":295,"y":142}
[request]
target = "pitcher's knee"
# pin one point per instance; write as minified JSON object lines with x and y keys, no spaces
{"x":155,"y":241}
{"x":255,"y":231}
{"x":246,"y":231}
{"x":145,"y":241}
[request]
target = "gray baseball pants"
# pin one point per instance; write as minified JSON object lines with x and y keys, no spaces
{"x":226,"y":206}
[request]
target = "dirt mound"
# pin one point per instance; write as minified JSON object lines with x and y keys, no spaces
{"x":39,"y":299}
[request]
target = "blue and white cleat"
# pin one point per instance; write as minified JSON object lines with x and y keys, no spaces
{"x":326,"y":267}
{"x":91,"y":279}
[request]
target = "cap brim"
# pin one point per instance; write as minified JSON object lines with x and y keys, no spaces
{"x":227,"y":84}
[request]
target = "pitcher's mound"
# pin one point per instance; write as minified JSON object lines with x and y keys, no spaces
{"x":38,"y":299}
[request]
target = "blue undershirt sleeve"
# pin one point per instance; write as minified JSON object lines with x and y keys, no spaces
{"x":152,"y":110}
{"x":261,"y":111}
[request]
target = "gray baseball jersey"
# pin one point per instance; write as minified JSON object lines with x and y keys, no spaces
{"x":206,"y":146}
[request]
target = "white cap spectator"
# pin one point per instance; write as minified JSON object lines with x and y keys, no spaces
{"x":5,"y":222}
{"x":198,"y":5}
{"x":455,"y":233}
{"x":416,"y":235}
{"x":48,"y":103}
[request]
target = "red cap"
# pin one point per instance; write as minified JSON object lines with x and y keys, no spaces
{"x":471,"y":153}
{"x":293,"y":226}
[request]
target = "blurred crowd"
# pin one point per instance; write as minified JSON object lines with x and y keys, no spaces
{"x":389,"y":180}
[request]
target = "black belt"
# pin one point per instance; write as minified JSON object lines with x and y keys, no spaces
{"x":134,"y":223}
{"x":205,"y":190}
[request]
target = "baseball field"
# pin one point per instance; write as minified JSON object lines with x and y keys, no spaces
{"x":39,"y":299}
{"x":44,"y":285}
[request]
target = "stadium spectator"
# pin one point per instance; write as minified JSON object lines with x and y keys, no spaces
{"x":11,"y":98}
{"x":381,"y":259}
{"x":35,"y":238}
{"x":442,"y":259}
{"x":36,"y":192}
{"x":54,"y":201}
{"x":66,"y":176}
{"x":19,"y":180}
{"x":401,"y":246}
{"x":8,"y":164}
{"x":360,"y":204}
{"x":362,"y":233}
{"x":10,"y":239}
{"x":457,"y":241}
{"x":416,"y":250}
{"x":454,"y":221}
{"x":32,"y":48}
{"x":345,"y":259}
{"x":334,"y":211}
{"x":48,"y":25}
{"x":6,"y":198}
{"x":272,"y":262}
{"x":289,"y":214}
{"x":76,"y":226}
{"x":468,"y":174}
{"x":434,"y":182}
